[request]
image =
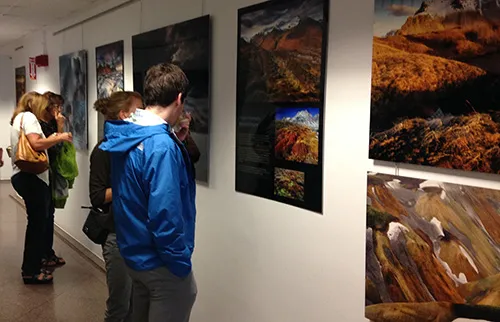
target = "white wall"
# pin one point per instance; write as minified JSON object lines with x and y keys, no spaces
{"x":258,"y":260}
{"x":7,"y":105}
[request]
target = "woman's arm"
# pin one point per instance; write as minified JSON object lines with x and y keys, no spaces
{"x":39,"y":144}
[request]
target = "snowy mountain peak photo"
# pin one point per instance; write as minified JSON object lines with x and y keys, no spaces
{"x":305,"y":118}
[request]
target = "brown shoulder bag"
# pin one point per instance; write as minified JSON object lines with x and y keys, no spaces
{"x":27,"y":159}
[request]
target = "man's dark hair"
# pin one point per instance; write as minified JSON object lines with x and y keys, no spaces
{"x":163,"y":83}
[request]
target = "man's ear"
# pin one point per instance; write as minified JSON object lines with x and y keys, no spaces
{"x":122,"y":115}
{"x":180,"y":99}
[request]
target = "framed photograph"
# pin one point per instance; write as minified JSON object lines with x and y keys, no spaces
{"x":436,"y":84}
{"x":73,"y":82}
{"x":282,"y":49}
{"x":20,"y":82}
{"x":188,"y":45}
{"x":110,"y":75}
{"x":432,"y":251}
{"x":109,"y":69}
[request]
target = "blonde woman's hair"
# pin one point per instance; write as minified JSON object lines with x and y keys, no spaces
{"x":111,"y":106}
{"x":31,"y":102}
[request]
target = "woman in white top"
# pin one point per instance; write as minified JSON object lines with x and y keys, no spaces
{"x":34,"y":189}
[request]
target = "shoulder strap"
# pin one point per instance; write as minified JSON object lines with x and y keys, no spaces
{"x":21,"y":128}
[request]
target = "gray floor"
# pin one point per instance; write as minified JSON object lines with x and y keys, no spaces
{"x":79,"y":289}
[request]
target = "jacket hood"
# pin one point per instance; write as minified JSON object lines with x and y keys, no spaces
{"x":122,"y":136}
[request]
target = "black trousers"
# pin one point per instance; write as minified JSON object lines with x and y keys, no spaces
{"x":49,"y":235}
{"x":36,"y":196}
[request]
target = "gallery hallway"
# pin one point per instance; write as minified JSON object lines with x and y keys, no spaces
{"x":79,"y":289}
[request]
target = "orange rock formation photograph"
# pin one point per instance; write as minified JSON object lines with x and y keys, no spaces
{"x":435,"y":97}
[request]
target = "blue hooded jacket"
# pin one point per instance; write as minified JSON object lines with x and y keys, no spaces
{"x":153,"y":193}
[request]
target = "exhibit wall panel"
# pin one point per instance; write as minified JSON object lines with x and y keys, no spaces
{"x":7,"y":104}
{"x":255,"y":259}
{"x":267,"y":261}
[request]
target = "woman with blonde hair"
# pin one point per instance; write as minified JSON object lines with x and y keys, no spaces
{"x":33,"y":188}
{"x":119,"y":106}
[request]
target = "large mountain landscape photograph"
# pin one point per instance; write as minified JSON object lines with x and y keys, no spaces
{"x":297,"y":135}
{"x":432,"y":251}
{"x":280,"y":52}
{"x":435,"y":97}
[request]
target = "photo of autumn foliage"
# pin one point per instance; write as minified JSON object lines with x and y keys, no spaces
{"x":432,"y":251}
{"x":289,"y":184}
{"x":297,"y":135}
{"x":436,"y":84}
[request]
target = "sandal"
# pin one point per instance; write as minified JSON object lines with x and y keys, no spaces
{"x":42,"y":278}
{"x":53,"y":261}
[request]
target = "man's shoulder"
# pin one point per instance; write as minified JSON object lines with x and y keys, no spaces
{"x":159,"y":142}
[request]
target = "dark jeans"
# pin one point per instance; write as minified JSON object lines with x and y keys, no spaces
{"x":49,"y":236}
{"x":118,"y":305}
{"x":36,"y":196}
{"x":160,"y":296}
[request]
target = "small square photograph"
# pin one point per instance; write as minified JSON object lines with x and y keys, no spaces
{"x":297,"y":135}
{"x":289,"y":184}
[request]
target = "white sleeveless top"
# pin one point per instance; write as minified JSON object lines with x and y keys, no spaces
{"x":31,"y":125}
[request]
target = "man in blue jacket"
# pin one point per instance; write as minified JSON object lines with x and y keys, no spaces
{"x":154,"y":199}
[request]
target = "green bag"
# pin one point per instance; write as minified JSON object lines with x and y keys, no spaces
{"x":64,"y":172}
{"x":66,"y":162}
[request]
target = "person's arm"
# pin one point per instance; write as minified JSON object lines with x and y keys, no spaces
{"x":166,"y":223}
{"x":39,"y":144}
{"x":49,"y":128}
{"x":33,"y":131}
{"x":99,"y":181}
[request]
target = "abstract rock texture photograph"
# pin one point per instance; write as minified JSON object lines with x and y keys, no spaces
{"x":73,"y":82}
{"x":432,"y":251}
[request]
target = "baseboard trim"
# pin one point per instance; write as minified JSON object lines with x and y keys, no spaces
{"x":70,"y":240}
{"x":79,"y":248}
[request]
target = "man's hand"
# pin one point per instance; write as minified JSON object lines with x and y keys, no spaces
{"x":183,"y":132}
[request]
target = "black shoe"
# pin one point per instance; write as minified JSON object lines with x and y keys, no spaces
{"x":42,"y":278}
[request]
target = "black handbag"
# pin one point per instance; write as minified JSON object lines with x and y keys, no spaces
{"x":94,"y":226}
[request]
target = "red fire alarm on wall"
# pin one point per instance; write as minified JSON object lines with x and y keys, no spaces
{"x":42,"y":61}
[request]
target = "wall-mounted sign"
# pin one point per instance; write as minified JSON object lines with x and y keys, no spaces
{"x":32,"y":68}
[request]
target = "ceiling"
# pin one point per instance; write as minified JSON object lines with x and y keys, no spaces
{"x":21,"y":17}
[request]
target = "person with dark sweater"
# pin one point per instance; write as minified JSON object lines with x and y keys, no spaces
{"x":118,"y":306}
{"x":119,"y":106}
{"x":52,"y":122}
